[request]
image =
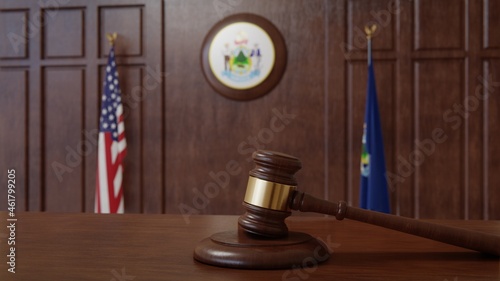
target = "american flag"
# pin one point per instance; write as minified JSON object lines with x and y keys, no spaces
{"x":112,"y":145}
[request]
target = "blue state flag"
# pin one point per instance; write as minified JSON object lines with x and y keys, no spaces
{"x":373,"y":193}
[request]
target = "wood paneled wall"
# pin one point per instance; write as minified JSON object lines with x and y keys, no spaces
{"x":52,"y":66}
{"x":437,"y":84}
{"x":436,"y":65}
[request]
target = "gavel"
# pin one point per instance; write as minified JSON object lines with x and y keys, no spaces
{"x":272,"y":193}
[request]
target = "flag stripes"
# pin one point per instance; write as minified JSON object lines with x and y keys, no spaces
{"x":111,"y":146}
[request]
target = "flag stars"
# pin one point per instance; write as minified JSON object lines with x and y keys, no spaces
{"x":111,"y":99}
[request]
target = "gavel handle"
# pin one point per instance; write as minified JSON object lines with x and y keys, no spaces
{"x":474,"y":240}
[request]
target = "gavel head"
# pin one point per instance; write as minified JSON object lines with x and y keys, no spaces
{"x":270,"y":189}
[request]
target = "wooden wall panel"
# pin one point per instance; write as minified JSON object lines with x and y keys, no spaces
{"x":13,"y":125}
{"x":62,"y":139}
{"x":127,"y":21}
{"x":492,"y":140}
{"x":64,"y":33}
{"x":336,"y":113}
{"x":206,"y":131}
{"x":13,"y":31}
{"x":438,"y":25}
{"x":183,"y":137}
{"x":404,"y":188}
{"x":63,"y":92}
{"x":491,"y":21}
{"x":473,"y":134}
{"x":438,"y":156}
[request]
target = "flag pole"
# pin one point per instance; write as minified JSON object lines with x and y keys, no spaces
{"x":370,"y":31}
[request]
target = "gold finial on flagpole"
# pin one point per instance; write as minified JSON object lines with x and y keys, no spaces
{"x":370,"y":30}
{"x":111,"y":38}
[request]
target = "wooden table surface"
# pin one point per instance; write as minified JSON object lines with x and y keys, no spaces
{"x":54,"y":246}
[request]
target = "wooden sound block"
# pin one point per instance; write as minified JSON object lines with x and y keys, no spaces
{"x":238,"y":249}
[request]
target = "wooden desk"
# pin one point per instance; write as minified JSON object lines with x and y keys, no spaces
{"x":53,"y":246}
